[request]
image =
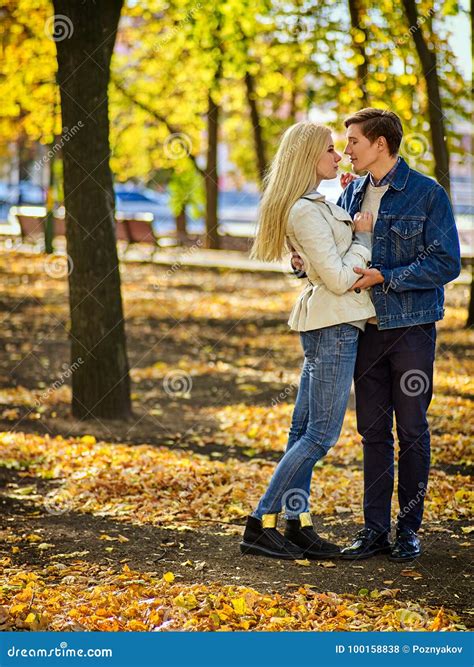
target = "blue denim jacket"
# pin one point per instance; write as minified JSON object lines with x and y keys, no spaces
{"x":415,"y":246}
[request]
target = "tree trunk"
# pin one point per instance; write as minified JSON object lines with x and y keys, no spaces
{"x":256,"y":126}
{"x":181,"y":229}
{"x":359,"y":48}
{"x":100,"y":382}
{"x":211,"y":174}
{"x":49,"y":219}
{"x":470,"y":312}
{"x":435,"y":107}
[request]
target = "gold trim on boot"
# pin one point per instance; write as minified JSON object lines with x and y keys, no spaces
{"x":269,"y":520}
{"x":305,"y":520}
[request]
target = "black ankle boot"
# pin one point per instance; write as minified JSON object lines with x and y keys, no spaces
{"x":261,"y":538}
{"x":301,"y":532}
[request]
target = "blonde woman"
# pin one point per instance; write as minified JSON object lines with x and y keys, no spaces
{"x":329,"y":317}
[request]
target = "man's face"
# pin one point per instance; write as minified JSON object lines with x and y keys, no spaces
{"x":362,"y":153}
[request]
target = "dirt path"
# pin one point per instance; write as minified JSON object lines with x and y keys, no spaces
{"x":440,"y":577}
{"x":228,"y":333}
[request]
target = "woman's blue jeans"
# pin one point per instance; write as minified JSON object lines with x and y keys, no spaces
{"x":323,"y":394}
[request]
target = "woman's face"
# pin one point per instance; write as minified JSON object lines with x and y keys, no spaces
{"x":326,"y":168}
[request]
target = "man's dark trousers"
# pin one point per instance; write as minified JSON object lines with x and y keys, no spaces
{"x":394,"y":374}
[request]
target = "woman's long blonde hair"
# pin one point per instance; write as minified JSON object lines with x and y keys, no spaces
{"x":291,"y":174}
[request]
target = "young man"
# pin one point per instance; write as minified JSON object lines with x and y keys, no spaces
{"x":415,"y":252}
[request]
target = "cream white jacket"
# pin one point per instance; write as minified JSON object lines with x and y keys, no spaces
{"x":322,"y":234}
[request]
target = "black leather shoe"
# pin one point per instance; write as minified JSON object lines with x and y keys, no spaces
{"x":407,"y":546}
{"x":261,"y":538}
{"x":367,"y":543}
{"x":301,"y":532}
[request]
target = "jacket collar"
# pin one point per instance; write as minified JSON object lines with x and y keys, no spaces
{"x":398,"y":182}
{"x":314,"y":195}
{"x":400,"y":177}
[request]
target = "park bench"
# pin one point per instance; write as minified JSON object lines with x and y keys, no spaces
{"x":31,"y":222}
{"x":137,"y":229}
{"x":131,"y":229}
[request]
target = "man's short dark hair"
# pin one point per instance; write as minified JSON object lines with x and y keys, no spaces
{"x":375,"y":123}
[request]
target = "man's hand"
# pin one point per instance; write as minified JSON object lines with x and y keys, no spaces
{"x":297,"y":262}
{"x":346,"y":179}
{"x":368,"y":278}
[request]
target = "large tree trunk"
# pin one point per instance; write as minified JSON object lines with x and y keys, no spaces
{"x":100,"y":383}
{"x":359,"y":47}
{"x":435,"y":107}
{"x":256,"y":126}
{"x":211,"y":175}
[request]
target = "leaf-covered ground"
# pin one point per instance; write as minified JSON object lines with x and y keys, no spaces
{"x":136,"y":526}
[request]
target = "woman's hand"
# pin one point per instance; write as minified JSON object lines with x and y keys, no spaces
{"x":346,"y":179}
{"x":363,"y":222}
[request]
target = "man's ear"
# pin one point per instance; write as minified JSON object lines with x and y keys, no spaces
{"x":382,"y":143}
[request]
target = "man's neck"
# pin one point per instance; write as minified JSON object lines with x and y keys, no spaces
{"x":382,"y":167}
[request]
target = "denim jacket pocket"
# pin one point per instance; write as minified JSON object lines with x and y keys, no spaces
{"x":406,"y":237}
